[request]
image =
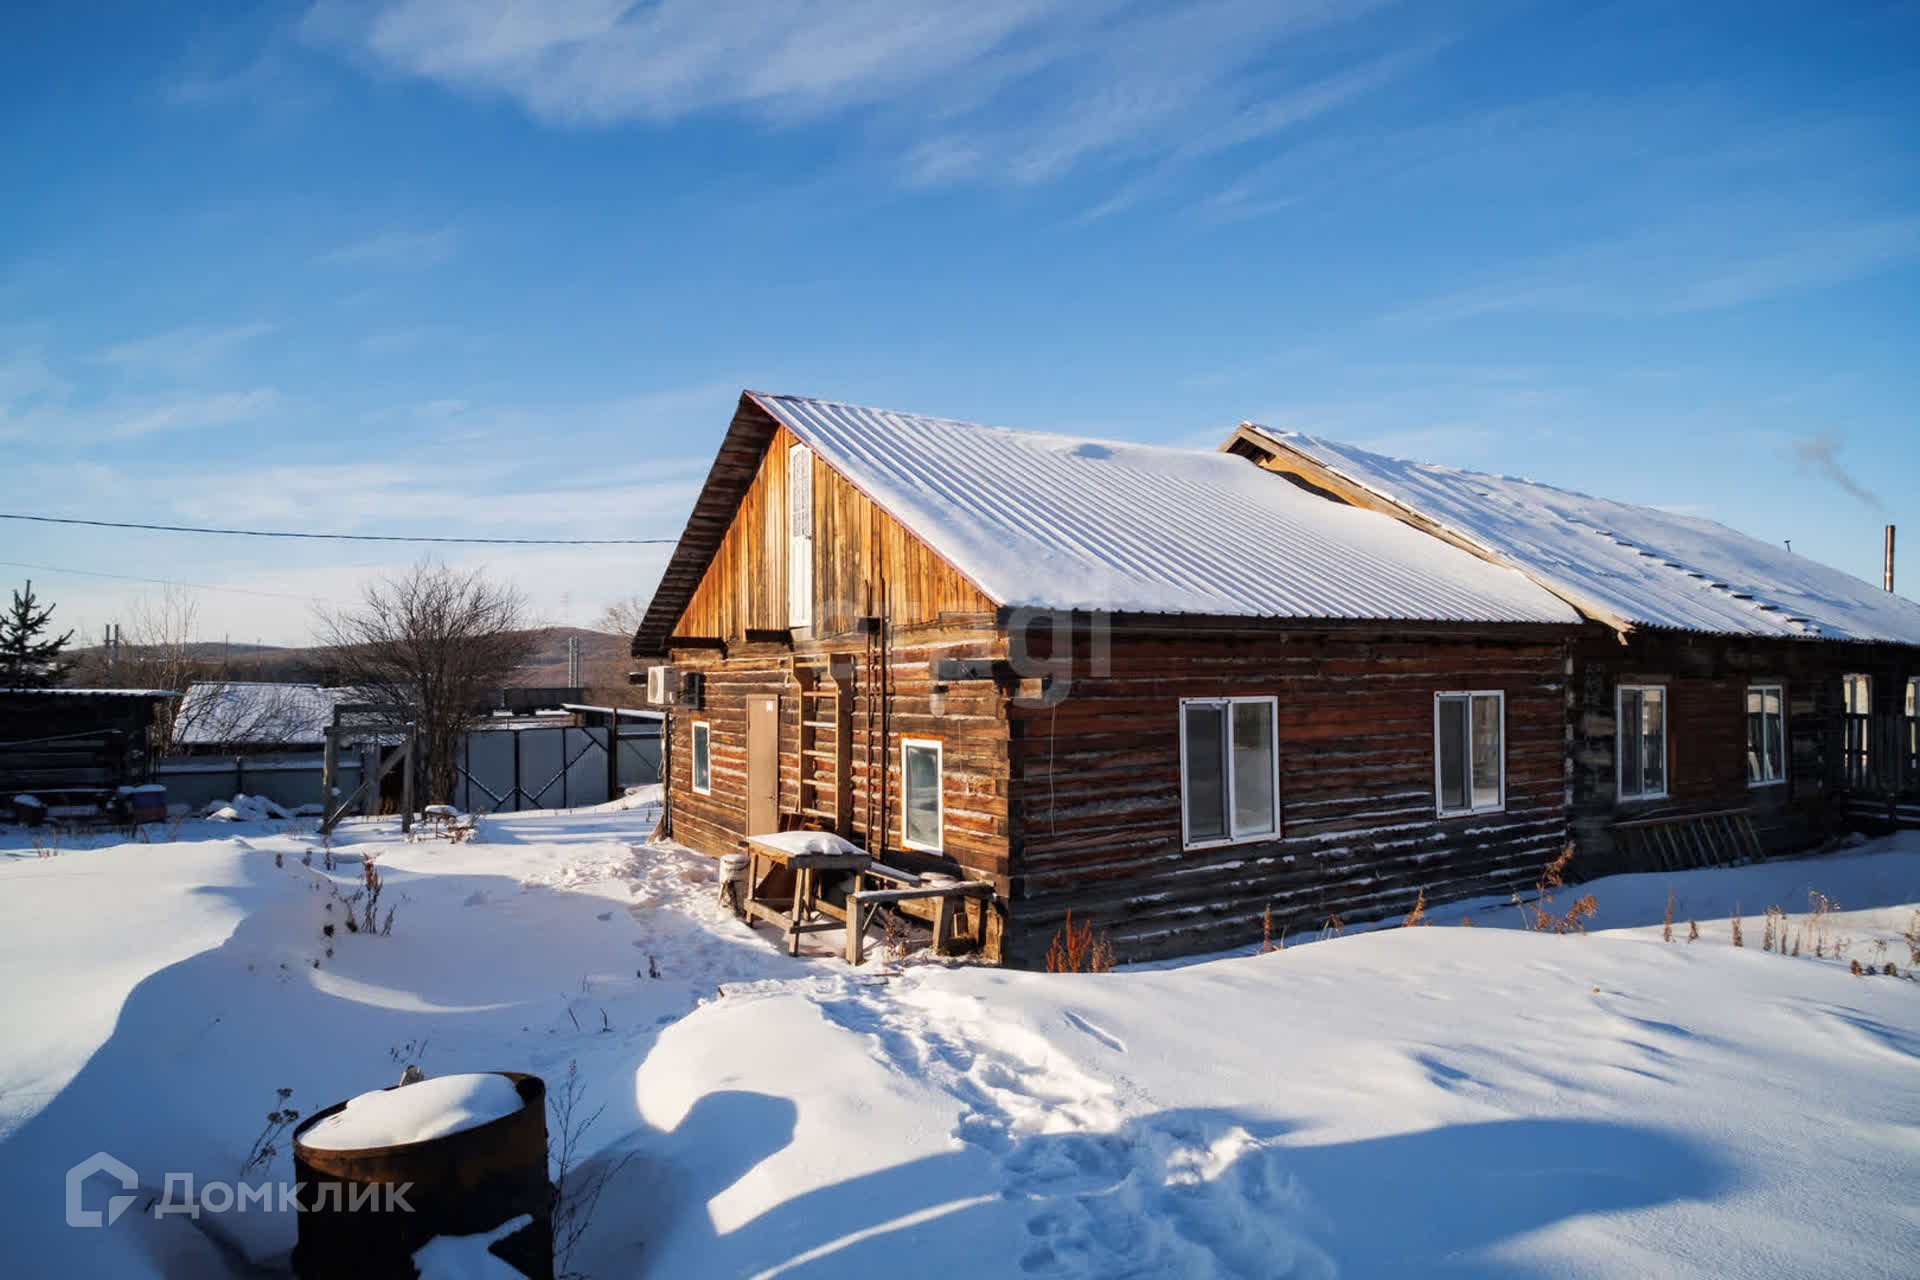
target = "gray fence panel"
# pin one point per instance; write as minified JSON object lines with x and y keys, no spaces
{"x":542,"y":768}
{"x":488,"y":786}
{"x":587,"y":770}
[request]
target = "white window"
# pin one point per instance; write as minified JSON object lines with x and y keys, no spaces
{"x":1913,"y":730}
{"x":799,"y":536}
{"x":1642,"y":754}
{"x":1856,"y":695}
{"x":923,"y":812}
{"x":1229,"y":770}
{"x":1469,"y":751}
{"x":1766,"y":735}
{"x":702,"y":757}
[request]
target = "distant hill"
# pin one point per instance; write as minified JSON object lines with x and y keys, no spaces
{"x":603,"y":662}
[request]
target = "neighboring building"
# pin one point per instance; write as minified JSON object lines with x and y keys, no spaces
{"x":1720,"y":676}
{"x":73,"y":747}
{"x":1148,"y":686}
{"x":526,"y":749}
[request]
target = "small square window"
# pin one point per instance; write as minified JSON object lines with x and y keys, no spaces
{"x":1229,"y":770}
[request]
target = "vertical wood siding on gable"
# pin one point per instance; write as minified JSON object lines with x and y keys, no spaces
{"x":865,"y":562}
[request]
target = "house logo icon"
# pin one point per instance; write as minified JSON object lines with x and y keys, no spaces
{"x":98,"y":1162}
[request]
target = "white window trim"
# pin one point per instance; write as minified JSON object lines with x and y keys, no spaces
{"x":1439,"y":794}
{"x":1272,"y":703}
{"x":940,"y":793}
{"x":1620,"y":756}
{"x":799,"y":546}
{"x":694,"y":733}
{"x":1786,"y":743}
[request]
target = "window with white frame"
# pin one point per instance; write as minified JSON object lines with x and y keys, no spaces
{"x":1766,"y":735}
{"x":923,"y":810}
{"x":1856,"y":698}
{"x":1229,"y":770}
{"x":1913,"y":730}
{"x":1642,"y":720}
{"x":1469,"y":751}
{"x":799,"y":536}
{"x":702,"y":757}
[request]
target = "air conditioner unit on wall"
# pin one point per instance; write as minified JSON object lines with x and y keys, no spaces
{"x":663,"y":686}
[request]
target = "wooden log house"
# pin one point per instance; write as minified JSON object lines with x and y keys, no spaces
{"x":1728,"y":698}
{"x":1153,"y":687}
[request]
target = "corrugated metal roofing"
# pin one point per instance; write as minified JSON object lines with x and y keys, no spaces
{"x":1627,"y":564}
{"x":261,"y":714}
{"x":1058,"y":522}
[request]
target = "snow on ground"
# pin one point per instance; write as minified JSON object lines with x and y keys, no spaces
{"x":1480,"y":1101}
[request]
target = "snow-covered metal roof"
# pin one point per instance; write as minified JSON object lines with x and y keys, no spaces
{"x":1058,"y":522}
{"x":64,"y":692}
{"x":1627,"y":565}
{"x":217,"y":713}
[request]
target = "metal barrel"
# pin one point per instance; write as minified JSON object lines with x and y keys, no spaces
{"x":464,"y":1184}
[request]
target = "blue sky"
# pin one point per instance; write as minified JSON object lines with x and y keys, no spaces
{"x":480,"y":268}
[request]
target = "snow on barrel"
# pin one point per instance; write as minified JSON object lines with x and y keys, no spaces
{"x":429,"y":1109}
{"x":454,"y":1156}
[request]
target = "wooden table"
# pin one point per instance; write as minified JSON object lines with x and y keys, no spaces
{"x":801,"y":914}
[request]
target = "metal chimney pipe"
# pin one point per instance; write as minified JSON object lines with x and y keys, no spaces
{"x":1888,"y":578}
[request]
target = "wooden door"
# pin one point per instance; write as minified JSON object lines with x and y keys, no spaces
{"x":763,"y":765}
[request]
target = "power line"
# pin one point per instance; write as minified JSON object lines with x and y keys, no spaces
{"x":346,"y":537}
{"x":164,"y":582}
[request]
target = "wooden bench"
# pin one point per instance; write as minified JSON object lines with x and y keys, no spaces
{"x":863,"y":903}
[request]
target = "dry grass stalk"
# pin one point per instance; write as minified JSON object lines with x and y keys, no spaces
{"x":1419,"y":913}
{"x":1693,"y":931}
{"x":1266,"y":933}
{"x":1739,"y":938}
{"x":1666,"y":922}
{"x":1538,"y":914}
{"x":1820,"y":909}
{"x":1912,"y":935}
{"x":1774,"y":935}
{"x":1078,"y":951}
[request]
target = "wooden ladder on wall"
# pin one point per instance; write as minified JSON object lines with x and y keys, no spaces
{"x":1688,"y":840}
{"x":826,"y":748}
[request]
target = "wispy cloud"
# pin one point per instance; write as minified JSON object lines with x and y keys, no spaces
{"x":1821,"y":451}
{"x":395,"y":248}
{"x":193,"y":413}
{"x":184,"y":352}
{"x":1694,"y":262}
{"x":1016,"y":91}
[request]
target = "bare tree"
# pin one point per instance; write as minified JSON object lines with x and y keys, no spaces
{"x":623,"y":616}
{"x":159,"y":649}
{"x":430,"y":643}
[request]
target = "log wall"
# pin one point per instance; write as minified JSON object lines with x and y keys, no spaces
{"x":1707,"y":679}
{"x":971,"y":728}
{"x":1096,"y":788}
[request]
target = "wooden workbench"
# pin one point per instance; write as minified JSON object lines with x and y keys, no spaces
{"x":799,"y":910}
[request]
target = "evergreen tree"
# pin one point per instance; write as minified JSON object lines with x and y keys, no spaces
{"x":26,"y":661}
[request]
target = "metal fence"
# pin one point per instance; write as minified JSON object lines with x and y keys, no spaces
{"x":289,"y":780}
